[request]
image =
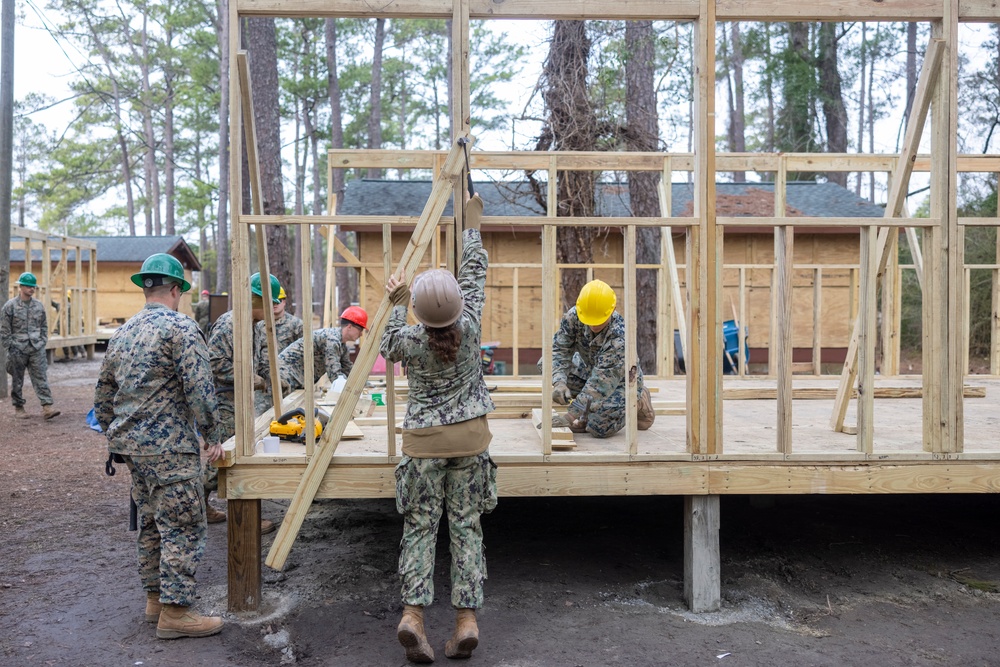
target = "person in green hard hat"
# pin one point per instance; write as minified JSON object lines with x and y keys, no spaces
{"x":220,"y":349}
{"x":155,"y":401}
{"x":24,"y":332}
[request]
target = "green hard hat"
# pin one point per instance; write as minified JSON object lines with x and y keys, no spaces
{"x":275,"y":287}
{"x":156,"y":268}
{"x":27,"y":280}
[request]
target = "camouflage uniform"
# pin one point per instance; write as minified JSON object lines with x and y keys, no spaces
{"x":464,"y":487}
{"x":330,"y":356}
{"x":220,"y":352}
{"x":155,"y":385}
{"x":202,"y":315}
{"x":593,"y":367}
{"x":287,"y":329}
{"x":24,"y":332}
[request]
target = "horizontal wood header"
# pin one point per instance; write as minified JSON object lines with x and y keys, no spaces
{"x":679,"y":10}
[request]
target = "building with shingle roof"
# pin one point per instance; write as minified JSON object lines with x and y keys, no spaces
{"x":118,"y":258}
{"x":748,"y":254}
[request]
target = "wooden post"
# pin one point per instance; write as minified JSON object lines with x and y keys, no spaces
{"x":550,"y":306}
{"x":243,"y":537}
{"x":390,"y":368}
{"x":670,"y":259}
{"x":705,"y":273}
{"x":516,"y":324}
{"x":817,"y":351}
{"x":781,"y":333}
{"x":780,"y":272}
{"x":891,"y":287}
{"x":741,"y":323}
{"x":308,"y":348}
{"x":702,"y":561}
{"x":995,"y":312}
{"x":631,"y":363}
{"x":866,"y":339}
{"x":243,"y":576}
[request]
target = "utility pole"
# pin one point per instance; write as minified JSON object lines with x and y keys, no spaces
{"x":6,"y":157}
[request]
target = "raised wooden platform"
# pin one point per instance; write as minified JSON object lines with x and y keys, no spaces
{"x":822,"y":460}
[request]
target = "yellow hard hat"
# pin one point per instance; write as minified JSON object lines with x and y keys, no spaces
{"x":595,"y":303}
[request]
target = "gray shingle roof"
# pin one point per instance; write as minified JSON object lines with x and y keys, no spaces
{"x":123,"y":249}
{"x":387,"y":197}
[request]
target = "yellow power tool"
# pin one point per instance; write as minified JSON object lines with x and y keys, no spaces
{"x":292,"y":425}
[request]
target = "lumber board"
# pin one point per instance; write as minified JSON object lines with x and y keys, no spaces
{"x":560,"y":433}
{"x":824,"y":393}
{"x":573,"y":475}
{"x":702,"y":560}
{"x":677,"y":10}
{"x":311,"y":480}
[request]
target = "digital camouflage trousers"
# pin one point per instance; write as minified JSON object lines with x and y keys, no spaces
{"x":172,"y":531}
{"x":36,"y":363}
{"x":464,"y":488}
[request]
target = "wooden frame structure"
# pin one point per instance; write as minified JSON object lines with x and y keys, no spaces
{"x":699,"y":460}
{"x":61,"y":274}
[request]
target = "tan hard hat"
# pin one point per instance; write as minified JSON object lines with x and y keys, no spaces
{"x":437,"y":298}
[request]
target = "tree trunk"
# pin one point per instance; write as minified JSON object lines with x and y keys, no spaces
{"x":862,"y":98}
{"x":769,"y":88}
{"x":375,"y":101}
{"x":834,"y":110}
{"x":571,"y":126}
{"x":795,"y":117}
{"x":262,"y":47}
{"x":149,"y":162}
{"x":318,"y":267}
{"x":737,"y":117}
{"x":347,"y":278}
{"x":168,"y":154}
{"x":222,"y":272}
{"x":643,"y":134}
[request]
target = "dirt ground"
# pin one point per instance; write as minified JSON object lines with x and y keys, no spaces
{"x":596,"y":581}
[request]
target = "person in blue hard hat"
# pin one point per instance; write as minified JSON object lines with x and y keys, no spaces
{"x":24,"y":331}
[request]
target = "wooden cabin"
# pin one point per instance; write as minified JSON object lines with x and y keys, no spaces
{"x":828,"y":256}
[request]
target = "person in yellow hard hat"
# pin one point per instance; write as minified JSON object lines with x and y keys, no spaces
{"x":588,"y":366}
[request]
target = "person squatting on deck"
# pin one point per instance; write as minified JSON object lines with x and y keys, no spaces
{"x":220,"y":353}
{"x":588,"y":366}
{"x":155,"y":385}
{"x":331,"y":355}
{"x":446,"y":466}
{"x":24,"y":331}
{"x":287,"y":330}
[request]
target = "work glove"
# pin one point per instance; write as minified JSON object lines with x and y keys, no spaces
{"x":258,"y":382}
{"x":473,"y":212}
{"x":400,"y":296}
{"x":561,"y":393}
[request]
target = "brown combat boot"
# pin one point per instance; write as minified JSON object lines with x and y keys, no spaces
{"x":466,"y":636}
{"x":19,"y":412}
{"x":178,"y":621}
{"x":49,"y":412}
{"x":411,"y":635}
{"x":153,"y":606}
{"x":213,"y":515}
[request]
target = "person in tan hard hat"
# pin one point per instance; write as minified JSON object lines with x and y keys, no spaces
{"x":446,"y":466}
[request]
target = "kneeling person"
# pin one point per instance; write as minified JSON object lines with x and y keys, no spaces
{"x":588,"y":366}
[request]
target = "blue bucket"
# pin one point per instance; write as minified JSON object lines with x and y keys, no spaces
{"x":731,"y":344}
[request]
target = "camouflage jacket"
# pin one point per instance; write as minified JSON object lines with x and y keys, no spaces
{"x":287,"y":330}
{"x":330,"y":356}
{"x":603,"y":356}
{"x":155,"y":384}
{"x":202,"y":313}
{"x":220,"y":352}
{"x":445,"y":393}
{"x":23,"y":325}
